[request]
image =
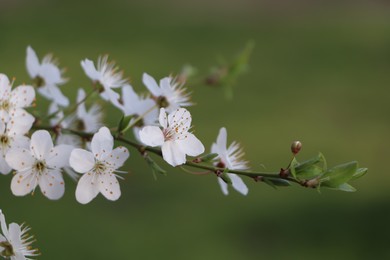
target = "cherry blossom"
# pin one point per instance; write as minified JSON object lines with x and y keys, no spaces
{"x":47,"y":77}
{"x":98,"y":167}
{"x":174,"y":138}
{"x":230,"y":158}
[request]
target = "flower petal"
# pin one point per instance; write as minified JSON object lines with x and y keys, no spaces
{"x":151,"y":85}
{"x":191,"y":145}
{"x":59,"y":156}
{"x":238,"y":184}
{"x":118,"y":157}
{"x":14,"y":235}
{"x":19,"y":159}
{"x":81,"y":111}
{"x":23,"y":183}
{"x":90,"y":70}
{"x":52,"y":184}
{"x":224,"y":186}
{"x":109,"y":186}
{"x":41,"y":144}
{"x":22,"y":96}
{"x":172,"y":153}
{"x":151,"y":136}
{"x":52,"y":92}
{"x":20,"y":123}
{"x":181,"y":119}
{"x":32,"y":62}
{"x":87,"y":188}
{"x":163,"y":118}
{"x":51,"y":74}
{"x":222,"y":139}
{"x":102,"y":143}
{"x":4,"y":167}
{"x":81,"y":160}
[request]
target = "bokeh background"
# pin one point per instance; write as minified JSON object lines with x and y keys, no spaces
{"x":319,"y":73}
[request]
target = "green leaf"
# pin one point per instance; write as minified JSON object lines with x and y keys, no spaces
{"x":225,"y":177}
{"x":208,"y":157}
{"x":155,"y":167}
{"x":308,"y":169}
{"x":339,"y":175}
{"x":346,"y":187}
{"x":275,"y":182}
{"x":359,"y":173}
{"x":123,"y":123}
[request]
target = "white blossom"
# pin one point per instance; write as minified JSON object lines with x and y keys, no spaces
{"x":12,"y":135}
{"x":47,"y":77}
{"x":107,"y":75}
{"x":14,"y":100}
{"x":137,"y":106}
{"x":39,"y":165}
{"x":170,"y":94}
{"x":98,"y":167}
{"x":15,"y":242}
{"x":230,"y":158}
{"x":175,"y":139}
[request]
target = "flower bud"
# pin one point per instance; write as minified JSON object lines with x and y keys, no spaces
{"x":296,"y":147}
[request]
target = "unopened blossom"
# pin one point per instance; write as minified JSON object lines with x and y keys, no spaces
{"x":170,"y":94}
{"x":47,"y":77}
{"x":14,"y":100}
{"x":174,"y":138}
{"x":107,"y":75}
{"x":98,"y":167}
{"x":41,"y":165}
{"x":230,"y":158}
{"x":142,"y":109}
{"x":15,"y":242}
{"x":12,"y":135}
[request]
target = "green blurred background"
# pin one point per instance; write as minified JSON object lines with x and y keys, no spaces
{"x":319,"y":73}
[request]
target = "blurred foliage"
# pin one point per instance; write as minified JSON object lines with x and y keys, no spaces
{"x":319,"y":74}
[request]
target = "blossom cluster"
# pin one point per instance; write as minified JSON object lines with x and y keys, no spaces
{"x":75,"y":140}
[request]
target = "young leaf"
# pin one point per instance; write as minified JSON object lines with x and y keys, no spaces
{"x":338,"y":175}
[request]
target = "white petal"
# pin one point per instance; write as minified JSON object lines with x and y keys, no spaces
{"x":20,"y":122}
{"x":51,"y":74}
{"x":52,"y":184}
{"x":21,"y":141}
{"x":191,"y":145}
{"x":89,"y":69}
{"x":32,"y":63}
{"x":238,"y":184}
{"x":109,"y":186}
{"x":87,"y":188}
{"x":180,"y":118}
{"x":222,"y":139}
{"x":151,"y":136}
{"x":130,"y":99}
{"x":81,"y":160}
{"x":52,"y":92}
{"x":163,"y":118}
{"x":15,"y":235}
{"x":172,"y":154}
{"x":41,"y":144}
{"x":81,"y":111}
{"x":118,"y":157}
{"x":4,"y":167}
{"x":19,"y":159}
{"x":23,"y":183}
{"x":3,"y":224}
{"x":22,"y":96}
{"x":59,"y":156}
{"x":224,"y":186}
{"x":5,"y":87}
{"x":102,"y":143}
{"x":151,"y":85}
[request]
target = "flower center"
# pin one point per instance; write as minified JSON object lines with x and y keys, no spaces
{"x":100,"y":167}
{"x":39,"y":82}
{"x":5,"y":105}
{"x":4,"y":140}
{"x":162,"y":101}
{"x":40,"y":166}
{"x":8,"y":250}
